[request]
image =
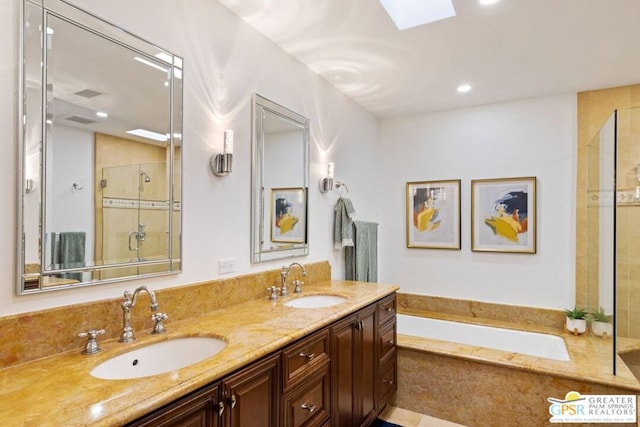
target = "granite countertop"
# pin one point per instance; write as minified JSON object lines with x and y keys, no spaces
{"x":58,"y":390}
{"x":591,"y":356}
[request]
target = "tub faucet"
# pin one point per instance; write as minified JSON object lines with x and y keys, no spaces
{"x":284,"y":273}
{"x":128,"y":303}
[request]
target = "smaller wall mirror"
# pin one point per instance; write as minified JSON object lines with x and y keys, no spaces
{"x":280,"y":182}
{"x":101,"y":137}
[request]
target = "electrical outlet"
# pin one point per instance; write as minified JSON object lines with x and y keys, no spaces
{"x":226,"y":265}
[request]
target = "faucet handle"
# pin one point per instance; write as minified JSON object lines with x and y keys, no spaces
{"x":274,"y":292}
{"x":298,"y":286}
{"x":159,"y":318}
{"x":91,"y":347}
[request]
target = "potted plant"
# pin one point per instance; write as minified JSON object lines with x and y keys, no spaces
{"x":601,"y":323}
{"x":576,"y":320}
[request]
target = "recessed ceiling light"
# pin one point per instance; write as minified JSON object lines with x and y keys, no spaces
{"x":464,"y":88}
{"x":488,"y":2}
{"x":412,"y":13}
{"x":102,"y":114}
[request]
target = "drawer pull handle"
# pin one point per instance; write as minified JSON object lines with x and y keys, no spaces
{"x":233,"y":400}
{"x":390,"y":342}
{"x":390,"y":382}
{"x":220,"y":408}
{"x":309,"y":356}
{"x":389,"y":309}
{"x":308,"y":407}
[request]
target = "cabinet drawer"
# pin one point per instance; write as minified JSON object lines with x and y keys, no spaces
{"x":387,"y":383}
{"x":309,"y":404}
{"x":386,"y":342}
{"x":304,"y":356}
{"x":386,"y":309}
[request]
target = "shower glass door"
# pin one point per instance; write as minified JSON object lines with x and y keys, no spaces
{"x":627,"y":238}
{"x":134,"y":218}
{"x":600,"y":232}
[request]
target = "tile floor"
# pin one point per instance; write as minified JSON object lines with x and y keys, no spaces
{"x":407,"y":418}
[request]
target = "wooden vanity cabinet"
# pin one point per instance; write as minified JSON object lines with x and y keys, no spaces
{"x":341,"y":376}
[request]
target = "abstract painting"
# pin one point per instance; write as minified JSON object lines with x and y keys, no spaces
{"x":288,"y":215}
{"x":433,"y":214}
{"x":503,"y":215}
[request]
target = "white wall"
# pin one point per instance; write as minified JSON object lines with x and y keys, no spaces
{"x":535,"y":137}
{"x":226,"y":61}
{"x":73,"y":161}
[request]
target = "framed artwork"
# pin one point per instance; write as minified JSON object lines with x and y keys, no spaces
{"x":433,"y":214}
{"x":503,"y":215}
{"x":288,"y":215}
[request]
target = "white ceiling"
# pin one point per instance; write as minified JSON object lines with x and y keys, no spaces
{"x":509,"y":50}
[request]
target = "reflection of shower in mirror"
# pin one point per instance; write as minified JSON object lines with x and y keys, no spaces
{"x":146,"y":176}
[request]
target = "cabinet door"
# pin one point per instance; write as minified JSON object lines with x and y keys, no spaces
{"x":343,"y":335}
{"x":196,"y":410}
{"x":251,"y":396}
{"x":366,"y":366}
{"x":353,"y":343}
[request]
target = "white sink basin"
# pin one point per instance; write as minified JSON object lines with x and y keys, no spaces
{"x":158,"y":358}
{"x":315,"y":301}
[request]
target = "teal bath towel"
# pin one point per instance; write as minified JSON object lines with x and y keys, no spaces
{"x":68,"y":250}
{"x":343,"y":223}
{"x":361,"y":260}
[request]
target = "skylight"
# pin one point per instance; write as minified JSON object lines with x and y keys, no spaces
{"x":412,"y":13}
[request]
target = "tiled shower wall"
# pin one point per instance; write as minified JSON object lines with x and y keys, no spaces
{"x":594,"y":108}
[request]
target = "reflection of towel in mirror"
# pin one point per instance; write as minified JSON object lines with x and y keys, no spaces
{"x":70,"y":252}
{"x":343,"y":224}
{"x":361,"y":260}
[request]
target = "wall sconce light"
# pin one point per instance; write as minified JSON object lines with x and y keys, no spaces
{"x":221,"y":163}
{"x":326,"y":183}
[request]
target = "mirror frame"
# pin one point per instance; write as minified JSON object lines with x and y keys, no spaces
{"x":119,"y":36}
{"x":258,"y":203}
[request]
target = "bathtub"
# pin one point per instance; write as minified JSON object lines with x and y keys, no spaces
{"x":483,"y":387}
{"x":513,"y":341}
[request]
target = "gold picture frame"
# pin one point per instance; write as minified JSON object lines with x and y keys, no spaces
{"x":433,"y":214}
{"x":288,"y":215}
{"x":503,"y":215}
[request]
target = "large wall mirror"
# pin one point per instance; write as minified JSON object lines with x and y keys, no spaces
{"x":100,"y":156}
{"x":280,"y":181}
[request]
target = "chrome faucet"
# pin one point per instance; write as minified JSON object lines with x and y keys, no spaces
{"x":284,"y":273}
{"x":128,"y":303}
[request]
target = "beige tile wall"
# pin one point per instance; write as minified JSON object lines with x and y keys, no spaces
{"x":594,"y":108}
{"x":451,"y":308}
{"x":43,"y":333}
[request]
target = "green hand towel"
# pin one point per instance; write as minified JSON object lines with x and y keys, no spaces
{"x":343,"y":224}
{"x":361,"y":260}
